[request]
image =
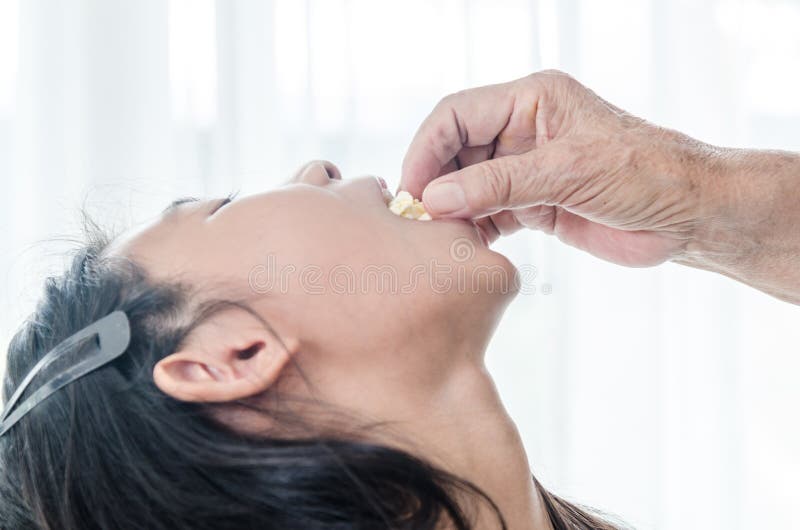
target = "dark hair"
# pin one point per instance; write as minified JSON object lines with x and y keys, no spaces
{"x":565,"y":515}
{"x":112,"y":451}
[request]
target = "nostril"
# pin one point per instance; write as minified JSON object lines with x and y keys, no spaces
{"x":332,"y":171}
{"x":250,"y":351}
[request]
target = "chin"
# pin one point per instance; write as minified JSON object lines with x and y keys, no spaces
{"x":494,"y":274}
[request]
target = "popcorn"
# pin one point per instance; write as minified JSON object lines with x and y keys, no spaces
{"x":407,"y":206}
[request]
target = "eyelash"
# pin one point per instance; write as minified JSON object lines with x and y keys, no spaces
{"x":227,"y":200}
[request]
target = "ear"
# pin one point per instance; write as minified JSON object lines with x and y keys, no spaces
{"x":231,"y":356}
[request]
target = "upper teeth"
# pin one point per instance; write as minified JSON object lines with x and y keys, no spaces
{"x":407,"y":206}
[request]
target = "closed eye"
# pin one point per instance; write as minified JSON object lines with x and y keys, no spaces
{"x":222,"y":202}
{"x":184,"y":200}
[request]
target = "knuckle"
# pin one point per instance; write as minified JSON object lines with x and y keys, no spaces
{"x":496,"y":184}
{"x":557,"y":79}
{"x":445,"y":129}
{"x":442,"y":139}
{"x":458,"y":98}
{"x":553,"y":72}
{"x":448,"y":101}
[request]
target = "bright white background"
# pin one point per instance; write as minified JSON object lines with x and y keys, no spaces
{"x":667,"y":396}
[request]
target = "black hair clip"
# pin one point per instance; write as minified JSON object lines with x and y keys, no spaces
{"x":111,"y":334}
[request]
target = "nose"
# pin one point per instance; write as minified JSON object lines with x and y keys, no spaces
{"x":317,"y":172}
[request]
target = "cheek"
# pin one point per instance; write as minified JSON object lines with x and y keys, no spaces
{"x":452,"y":260}
{"x":305,"y":255}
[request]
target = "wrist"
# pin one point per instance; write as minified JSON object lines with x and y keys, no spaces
{"x":724,"y":233}
{"x":747,"y":219}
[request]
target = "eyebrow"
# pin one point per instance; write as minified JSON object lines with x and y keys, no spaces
{"x":177,"y":202}
{"x":183,"y":200}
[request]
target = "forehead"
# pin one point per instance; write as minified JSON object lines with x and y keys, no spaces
{"x":163,"y":226}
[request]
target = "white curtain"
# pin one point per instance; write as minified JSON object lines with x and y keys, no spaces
{"x":667,"y":396}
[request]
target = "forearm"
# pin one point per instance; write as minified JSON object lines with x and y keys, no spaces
{"x":749,"y":224}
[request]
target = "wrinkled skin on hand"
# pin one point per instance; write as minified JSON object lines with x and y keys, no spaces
{"x":545,"y":152}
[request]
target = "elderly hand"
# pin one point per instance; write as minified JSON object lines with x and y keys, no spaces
{"x":545,"y":152}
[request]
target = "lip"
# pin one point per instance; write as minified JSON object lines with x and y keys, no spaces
{"x":387,"y":197}
{"x":382,"y":187}
{"x":376,"y":183}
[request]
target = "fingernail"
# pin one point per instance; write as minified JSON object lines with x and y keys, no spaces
{"x":444,"y":198}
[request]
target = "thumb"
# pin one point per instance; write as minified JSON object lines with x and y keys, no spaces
{"x":483,"y":189}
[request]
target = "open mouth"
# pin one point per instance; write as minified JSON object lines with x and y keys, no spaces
{"x":405,"y":205}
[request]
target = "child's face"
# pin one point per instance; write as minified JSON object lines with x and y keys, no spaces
{"x":325,"y":261}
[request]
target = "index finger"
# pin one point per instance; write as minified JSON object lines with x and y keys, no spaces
{"x":469,"y":118}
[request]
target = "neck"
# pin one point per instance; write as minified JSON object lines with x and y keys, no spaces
{"x":464,"y":427}
{"x":435,"y":399}
{"x":459,"y":425}
{"x":465,"y":430}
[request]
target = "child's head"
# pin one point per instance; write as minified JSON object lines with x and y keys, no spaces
{"x":267,"y":335}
